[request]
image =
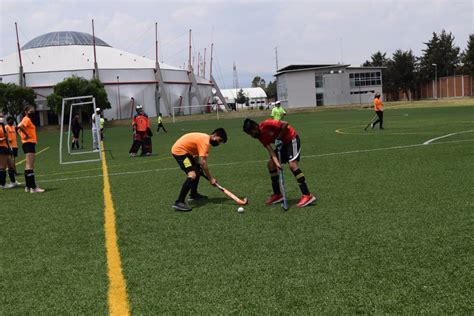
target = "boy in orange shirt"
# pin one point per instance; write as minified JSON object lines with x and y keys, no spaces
{"x":378,"y":110}
{"x":186,"y":150}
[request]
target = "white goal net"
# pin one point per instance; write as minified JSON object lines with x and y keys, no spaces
{"x":79,"y":107}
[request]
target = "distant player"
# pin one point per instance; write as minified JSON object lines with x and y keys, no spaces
{"x":12,"y":133}
{"x":141,"y":133}
{"x":378,"y":110}
{"x":160,"y":124}
{"x":76,"y":128}
{"x":191,"y":152}
{"x":4,"y":153}
{"x":95,"y":128}
{"x":278,"y":112}
{"x":28,"y":138}
{"x":287,"y":142}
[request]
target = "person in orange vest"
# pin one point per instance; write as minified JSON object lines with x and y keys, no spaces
{"x":12,"y":132}
{"x":141,"y":133}
{"x":378,"y":110}
{"x":28,"y":139}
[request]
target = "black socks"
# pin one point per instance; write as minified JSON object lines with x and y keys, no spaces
{"x":299,"y":175}
{"x":275,"y":184}
{"x":185,"y":189}
{"x":30,"y":179}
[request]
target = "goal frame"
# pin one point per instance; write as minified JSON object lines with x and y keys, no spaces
{"x":61,"y":135}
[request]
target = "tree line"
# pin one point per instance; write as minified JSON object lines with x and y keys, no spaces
{"x":441,"y":57}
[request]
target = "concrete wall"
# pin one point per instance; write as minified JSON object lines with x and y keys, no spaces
{"x":301,"y":89}
{"x":336,"y":88}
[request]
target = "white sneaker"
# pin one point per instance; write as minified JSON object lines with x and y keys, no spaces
{"x":10,"y":185}
{"x":27,"y":190}
{"x":37,"y":190}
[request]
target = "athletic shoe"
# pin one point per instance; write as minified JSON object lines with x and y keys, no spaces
{"x":197,"y":197}
{"x":382,"y":128}
{"x":306,"y":199}
{"x":372,"y":126}
{"x":132,"y":155}
{"x":37,"y":190}
{"x":274,"y":199}
{"x":181,"y":206}
{"x":27,"y":190}
{"x":14,"y":184}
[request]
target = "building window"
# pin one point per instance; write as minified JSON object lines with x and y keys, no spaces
{"x":319,"y":99}
{"x":365,"y":79}
{"x":319,"y":81}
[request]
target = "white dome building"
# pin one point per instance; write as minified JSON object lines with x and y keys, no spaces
{"x":52,"y":57}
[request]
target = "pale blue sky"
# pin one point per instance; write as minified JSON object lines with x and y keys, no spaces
{"x":246,"y":32}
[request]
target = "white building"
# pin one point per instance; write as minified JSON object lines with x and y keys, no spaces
{"x":50,"y":58}
{"x":257,"y":97}
{"x":317,"y":85}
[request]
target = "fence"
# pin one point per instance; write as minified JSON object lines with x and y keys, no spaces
{"x":446,"y":87}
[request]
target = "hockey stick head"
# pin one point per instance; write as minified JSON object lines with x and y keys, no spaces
{"x":243,"y":201}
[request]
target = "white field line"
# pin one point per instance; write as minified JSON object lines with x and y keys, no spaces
{"x":260,"y":161}
{"x":444,"y":136}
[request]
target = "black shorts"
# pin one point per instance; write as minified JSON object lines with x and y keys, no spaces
{"x":29,"y":148}
{"x":76,"y":133}
{"x":4,"y":151}
{"x":187,"y":163}
{"x":15,"y":152}
{"x":291,"y":150}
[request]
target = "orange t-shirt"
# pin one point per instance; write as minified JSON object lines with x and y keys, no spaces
{"x":378,"y":105}
{"x":195,"y":144}
{"x":11,"y":131}
{"x":30,"y":129}
{"x":3,"y":143}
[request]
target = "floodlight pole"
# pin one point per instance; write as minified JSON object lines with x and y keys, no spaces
{"x":436,"y":81}
{"x":204,"y":65}
{"x":96,"y":68}
{"x":189,"y":58}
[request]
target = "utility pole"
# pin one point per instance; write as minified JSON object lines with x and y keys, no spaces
{"x":22,"y":82}
{"x":276,"y":58}
{"x":236,"y":78}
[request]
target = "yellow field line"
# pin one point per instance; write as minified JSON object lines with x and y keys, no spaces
{"x":117,"y":294}
{"x":39,"y":152}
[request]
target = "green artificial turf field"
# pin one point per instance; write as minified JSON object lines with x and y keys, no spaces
{"x":391,"y":231}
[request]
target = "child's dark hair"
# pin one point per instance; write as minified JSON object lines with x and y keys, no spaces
{"x":249,"y":125}
{"x":221,"y":133}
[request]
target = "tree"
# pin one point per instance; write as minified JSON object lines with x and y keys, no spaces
{"x":241,"y":98}
{"x":77,"y":86}
{"x":378,"y":60}
{"x":440,"y":50}
{"x":468,"y":56}
{"x":13,"y":98}
{"x":403,"y":71}
{"x":258,"y":82}
{"x":271,"y":90}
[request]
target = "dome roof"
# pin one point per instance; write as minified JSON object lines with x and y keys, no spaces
{"x":63,"y":39}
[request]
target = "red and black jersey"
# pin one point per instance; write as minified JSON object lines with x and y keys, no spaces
{"x":141,"y":122}
{"x":270,"y":129}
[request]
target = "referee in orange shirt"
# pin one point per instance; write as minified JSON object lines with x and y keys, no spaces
{"x":186,"y":151}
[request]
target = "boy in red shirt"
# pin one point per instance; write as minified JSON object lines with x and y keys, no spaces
{"x":286,"y":141}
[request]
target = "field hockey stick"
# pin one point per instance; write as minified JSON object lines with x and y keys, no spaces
{"x":234,"y":197}
{"x":371,"y":121}
{"x":284,"y":203}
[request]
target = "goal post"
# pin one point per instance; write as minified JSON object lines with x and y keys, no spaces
{"x":210,"y":111}
{"x":70,"y":104}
